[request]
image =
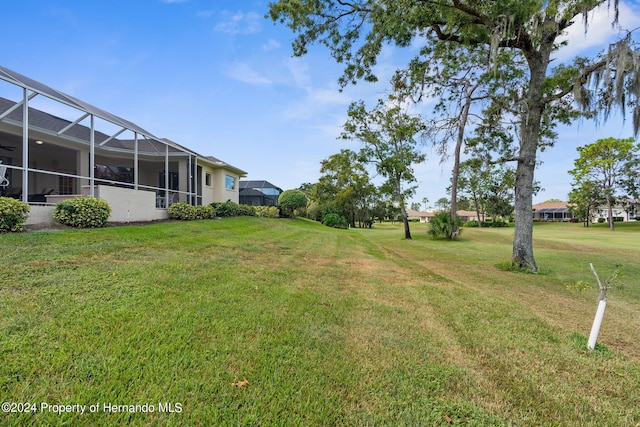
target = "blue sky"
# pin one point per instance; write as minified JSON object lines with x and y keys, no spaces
{"x":217,"y":77}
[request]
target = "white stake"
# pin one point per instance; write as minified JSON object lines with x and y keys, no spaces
{"x":595,"y":329}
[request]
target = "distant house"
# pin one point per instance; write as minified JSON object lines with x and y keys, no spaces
{"x":465,"y":216}
{"x":551,"y":211}
{"x":55,"y":147}
{"x":259,"y":193}
{"x":602,"y":213}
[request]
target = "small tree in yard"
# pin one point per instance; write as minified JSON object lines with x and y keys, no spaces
{"x":290,"y":200}
{"x":611,"y":282}
{"x":389,"y":137}
{"x":602,"y":164}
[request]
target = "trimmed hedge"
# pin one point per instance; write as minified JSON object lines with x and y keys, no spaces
{"x":82,"y":212}
{"x":185,"y":212}
{"x":229,"y":209}
{"x":13,"y":214}
{"x":267,"y":211}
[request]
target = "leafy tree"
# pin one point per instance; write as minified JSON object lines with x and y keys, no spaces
{"x":602,"y":164}
{"x":345,"y":183}
{"x":523,"y":32}
{"x":489,"y":188}
{"x":584,"y":199}
{"x":389,"y":137}
{"x":415,"y":206}
{"x":443,"y":203}
{"x":290,"y":200}
{"x":425,"y":201}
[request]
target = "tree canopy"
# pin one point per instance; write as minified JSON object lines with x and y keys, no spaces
{"x":523,"y":33}
{"x":599,"y":170}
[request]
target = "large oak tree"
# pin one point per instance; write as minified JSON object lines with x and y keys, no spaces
{"x":356,"y":31}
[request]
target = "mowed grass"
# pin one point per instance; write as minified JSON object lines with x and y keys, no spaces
{"x":249,"y":321}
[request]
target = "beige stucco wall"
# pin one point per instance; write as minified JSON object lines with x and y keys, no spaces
{"x":216,"y":192}
{"x":129,"y":205}
{"x":220,"y":193}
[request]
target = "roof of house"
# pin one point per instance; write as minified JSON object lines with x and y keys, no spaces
{"x":550,"y":205}
{"x":59,"y":127}
{"x":431,"y":214}
{"x":36,"y":86}
{"x":257,"y":184}
{"x":250,"y":192}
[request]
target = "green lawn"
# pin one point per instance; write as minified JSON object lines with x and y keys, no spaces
{"x":328,"y":327}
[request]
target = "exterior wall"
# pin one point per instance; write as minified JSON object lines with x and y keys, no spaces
{"x":208,"y":190}
{"x":40,"y":215}
{"x":129,"y":205}
{"x":603,"y":212}
{"x":220,"y":192}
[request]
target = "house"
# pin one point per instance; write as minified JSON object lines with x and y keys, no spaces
{"x":259,"y":193}
{"x":465,"y":216}
{"x":56,"y":147}
{"x":552,"y":211}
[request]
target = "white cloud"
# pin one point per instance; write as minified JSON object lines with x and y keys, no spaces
{"x":299,"y":70}
{"x":240,"y":23}
{"x":599,"y":31}
{"x":270,"y":45}
{"x":204,"y":13}
{"x":244,"y":73}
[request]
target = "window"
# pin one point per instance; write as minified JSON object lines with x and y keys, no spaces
{"x":65,"y":185}
{"x":229,"y":182}
{"x":207,"y":179}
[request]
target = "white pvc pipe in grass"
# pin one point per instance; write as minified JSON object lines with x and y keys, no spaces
{"x":595,"y":329}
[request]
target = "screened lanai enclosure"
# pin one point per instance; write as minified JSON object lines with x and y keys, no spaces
{"x":54,"y":146}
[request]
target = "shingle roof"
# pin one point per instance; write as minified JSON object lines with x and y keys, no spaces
{"x":257,"y":184}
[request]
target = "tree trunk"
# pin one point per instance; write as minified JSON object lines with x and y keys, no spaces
{"x":405,"y":220}
{"x":403,"y":209}
{"x":464,"y":116}
{"x":610,"y":212}
{"x":529,"y":136}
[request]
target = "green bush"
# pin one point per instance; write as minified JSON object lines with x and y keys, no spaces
{"x":474,"y":223}
{"x":335,"y":221}
{"x":204,"y":212}
{"x":267,"y":211}
{"x":82,"y":212}
{"x":13,"y":214}
{"x":229,"y":209}
{"x":290,"y":200}
{"x":182,"y":211}
{"x":440,"y":226}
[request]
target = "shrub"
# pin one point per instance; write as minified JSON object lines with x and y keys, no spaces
{"x":181,"y":211}
{"x":185,"y":212}
{"x":335,"y":221}
{"x":267,"y":211}
{"x":229,"y":209}
{"x":82,"y":212}
{"x":204,"y":212}
{"x":246,"y":210}
{"x":13,"y":214}
{"x":474,"y":223}
{"x":290,"y":200}
{"x":440,"y":226}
